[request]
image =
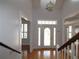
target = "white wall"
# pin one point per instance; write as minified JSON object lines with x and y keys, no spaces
{"x":10,"y":25}
{"x":26,"y":12}
{"x":26,"y":9}
{"x":8,"y":54}
{"x":9,"y":29}
{"x":70,"y":8}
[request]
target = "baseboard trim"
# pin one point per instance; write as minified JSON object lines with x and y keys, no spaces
{"x":39,"y":49}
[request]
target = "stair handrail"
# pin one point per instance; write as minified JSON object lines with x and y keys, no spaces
{"x":73,"y":39}
{"x":8,"y":47}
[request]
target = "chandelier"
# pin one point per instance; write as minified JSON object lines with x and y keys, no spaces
{"x":50,"y":5}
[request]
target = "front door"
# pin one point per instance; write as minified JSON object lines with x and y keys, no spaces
{"x":46,"y":36}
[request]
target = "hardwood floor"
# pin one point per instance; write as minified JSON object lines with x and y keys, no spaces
{"x":41,"y":54}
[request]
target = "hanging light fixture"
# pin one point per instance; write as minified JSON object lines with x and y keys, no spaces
{"x":50,"y":5}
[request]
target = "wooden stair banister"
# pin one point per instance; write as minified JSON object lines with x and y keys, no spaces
{"x":73,"y":39}
{"x":70,"y":49}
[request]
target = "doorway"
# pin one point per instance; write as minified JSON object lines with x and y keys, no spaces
{"x":47,"y":35}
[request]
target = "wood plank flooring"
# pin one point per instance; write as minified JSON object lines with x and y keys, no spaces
{"x":41,"y":54}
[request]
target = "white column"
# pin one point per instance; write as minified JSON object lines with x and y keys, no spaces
{"x":72,"y":51}
{"x":64,"y":53}
{"x":51,"y":29}
{"x":58,"y":56}
{"x":76,"y":49}
{"x":65,"y":34}
{"x":73,"y":30}
{"x":58,"y":52}
{"x":42,"y":37}
{"x":67,"y":52}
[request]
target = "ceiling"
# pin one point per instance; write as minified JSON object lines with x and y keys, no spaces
{"x":36,"y":4}
{"x":59,"y":4}
{"x":73,"y":20}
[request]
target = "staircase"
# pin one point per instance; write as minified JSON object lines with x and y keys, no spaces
{"x":69,"y":50}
